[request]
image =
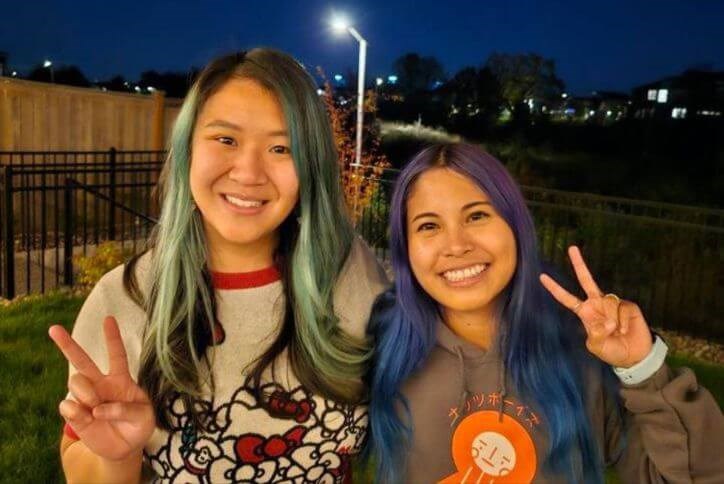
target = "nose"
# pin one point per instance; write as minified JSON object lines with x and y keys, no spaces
{"x":248,"y":167}
{"x":458,"y":243}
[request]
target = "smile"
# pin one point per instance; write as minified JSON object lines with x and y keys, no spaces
{"x":465,"y":274}
{"x":243,"y":203}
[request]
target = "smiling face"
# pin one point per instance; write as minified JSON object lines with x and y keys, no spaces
{"x":461,"y":251}
{"x":242,"y":175}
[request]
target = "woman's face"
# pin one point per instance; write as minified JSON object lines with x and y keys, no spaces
{"x":242,"y":174}
{"x":461,"y":251}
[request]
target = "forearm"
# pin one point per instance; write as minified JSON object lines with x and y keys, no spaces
{"x":81,"y":465}
{"x":678,"y":423}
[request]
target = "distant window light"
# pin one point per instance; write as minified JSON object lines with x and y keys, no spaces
{"x":678,"y":113}
{"x":663,"y":95}
{"x":652,"y":95}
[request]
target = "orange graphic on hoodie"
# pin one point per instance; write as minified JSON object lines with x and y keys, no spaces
{"x":488,"y":450}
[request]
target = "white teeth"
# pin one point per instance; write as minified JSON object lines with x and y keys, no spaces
{"x":240,"y":202}
{"x":467,"y":273}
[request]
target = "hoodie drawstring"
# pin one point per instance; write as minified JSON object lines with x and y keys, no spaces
{"x":464,"y":392}
{"x":461,"y":371}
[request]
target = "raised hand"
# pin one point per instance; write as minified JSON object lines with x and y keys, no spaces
{"x":617,"y":331}
{"x":112,"y":415}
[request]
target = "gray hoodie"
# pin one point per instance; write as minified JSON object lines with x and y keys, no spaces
{"x":471,"y":426}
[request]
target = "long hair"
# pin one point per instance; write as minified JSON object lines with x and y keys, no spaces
{"x":535,"y":347}
{"x":314,"y":242}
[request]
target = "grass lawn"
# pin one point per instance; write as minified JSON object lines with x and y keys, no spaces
{"x":32,"y":382}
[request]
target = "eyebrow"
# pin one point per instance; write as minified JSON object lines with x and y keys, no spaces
{"x":220,"y":123}
{"x":465,"y":207}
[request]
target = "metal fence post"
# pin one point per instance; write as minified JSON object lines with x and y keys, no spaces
{"x":9,"y":236}
{"x":68,"y":234}
{"x":112,"y":195}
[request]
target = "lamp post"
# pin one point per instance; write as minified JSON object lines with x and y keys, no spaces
{"x":49,"y":65}
{"x":340,"y":25}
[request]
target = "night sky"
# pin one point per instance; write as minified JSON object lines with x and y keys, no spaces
{"x":612,"y":45}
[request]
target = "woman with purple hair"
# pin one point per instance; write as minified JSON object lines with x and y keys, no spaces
{"x":480,"y":376}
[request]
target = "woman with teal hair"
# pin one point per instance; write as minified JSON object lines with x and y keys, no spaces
{"x":232,"y":350}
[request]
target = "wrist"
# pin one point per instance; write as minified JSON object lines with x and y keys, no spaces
{"x":645,"y":368}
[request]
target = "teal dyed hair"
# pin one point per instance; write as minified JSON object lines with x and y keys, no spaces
{"x":315,"y":241}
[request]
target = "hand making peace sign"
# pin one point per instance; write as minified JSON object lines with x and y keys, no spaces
{"x":617,"y":331}
{"x":112,"y":415}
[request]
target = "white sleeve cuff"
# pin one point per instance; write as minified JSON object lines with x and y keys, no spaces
{"x":645,"y":368}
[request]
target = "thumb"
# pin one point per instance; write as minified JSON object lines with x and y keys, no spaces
{"x":76,"y":415}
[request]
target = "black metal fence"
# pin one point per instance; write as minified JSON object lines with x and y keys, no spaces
{"x":667,"y":258}
{"x":54,"y":205}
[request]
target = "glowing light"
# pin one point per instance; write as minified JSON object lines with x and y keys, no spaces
{"x":340,"y":23}
{"x":564,"y":95}
{"x":663,"y":96}
{"x":392,"y":79}
{"x":338,"y":77}
{"x":47,"y":63}
{"x":379,"y":81}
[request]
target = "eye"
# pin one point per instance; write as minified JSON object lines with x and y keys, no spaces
{"x":280,"y":150}
{"x":427,"y":226}
{"x":479,"y":215}
{"x":226,"y":140}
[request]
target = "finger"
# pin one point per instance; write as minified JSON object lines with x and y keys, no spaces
{"x":582,"y":273}
{"x":559,"y":294}
{"x":75,"y":414}
{"x":623,"y":319}
{"x":129,"y":412}
{"x":117,"y":359}
{"x":74,"y":353}
{"x":610,"y":305}
{"x":81,"y":387}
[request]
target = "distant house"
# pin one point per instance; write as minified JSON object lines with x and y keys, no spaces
{"x":599,"y":107}
{"x":693,"y":94}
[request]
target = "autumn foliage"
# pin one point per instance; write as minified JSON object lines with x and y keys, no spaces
{"x":357,"y":182}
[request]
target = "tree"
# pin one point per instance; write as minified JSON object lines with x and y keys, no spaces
{"x":174,"y":84}
{"x":116,"y":83}
{"x":416,"y":74}
{"x":360,"y":183}
{"x":473,"y":97}
{"x":524,"y":76}
{"x":68,"y":75}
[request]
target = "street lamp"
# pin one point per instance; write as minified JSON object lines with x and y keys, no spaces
{"x":340,"y":24}
{"x":49,"y":65}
